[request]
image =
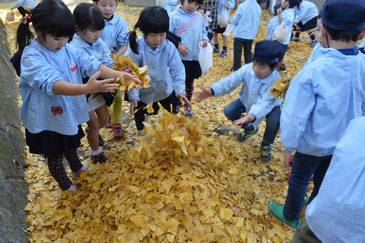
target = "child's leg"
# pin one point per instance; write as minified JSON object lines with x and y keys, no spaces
{"x":171,"y":101}
{"x":55,"y":166}
{"x":272,"y":126}
{"x":225,"y":43}
{"x":216,"y":42}
{"x":73,"y":160}
{"x":117,"y":113}
{"x":311,"y":35}
{"x":93,"y":133}
{"x":247,"y":47}
{"x":189,"y":88}
{"x":237,"y":54}
{"x":139,"y":115}
{"x":103,"y":115}
{"x":234,"y":110}
{"x":319,"y":174}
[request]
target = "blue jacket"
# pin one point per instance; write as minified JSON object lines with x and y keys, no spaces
{"x":170,"y":5}
{"x":247,"y":20}
{"x":165,"y":68}
{"x":99,"y":50}
{"x":307,"y":11}
{"x":191,"y":37}
{"x":288,"y":16}
{"x":336,"y":214}
{"x":115,"y":33}
{"x":41,"y":68}
{"x":255,"y":93}
{"x":321,"y":101}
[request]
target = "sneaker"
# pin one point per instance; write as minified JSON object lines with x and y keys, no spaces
{"x":277,"y":211}
{"x":99,"y":158}
{"x":216,"y":50}
{"x":265,"y":153}
{"x":313,"y":43}
{"x":77,"y":174}
{"x":282,"y":69}
{"x":109,"y":124}
{"x":296,"y":39}
{"x":223,"y":53}
{"x":73,"y":188}
{"x":118,"y":131}
{"x":246,"y":134}
{"x":188,"y":111}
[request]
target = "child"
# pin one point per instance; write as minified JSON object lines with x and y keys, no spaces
{"x":89,"y":26}
{"x":223,"y":6}
{"x":164,"y":65}
{"x":54,"y":103}
{"x":115,"y":35}
{"x":247,"y":22}
{"x":24,"y":6}
{"x":170,"y":5}
{"x":257,"y":79}
{"x":321,"y":101}
{"x":188,"y":23}
{"x":306,"y":20}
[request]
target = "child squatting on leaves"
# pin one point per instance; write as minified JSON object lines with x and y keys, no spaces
{"x":257,"y":79}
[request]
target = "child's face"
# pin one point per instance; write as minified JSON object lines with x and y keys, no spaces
{"x":107,"y":7}
{"x":318,"y":31}
{"x":284,"y":4}
{"x":53,"y":43}
{"x":155,"y":39}
{"x":189,"y":7}
{"x":261,"y":70}
{"x":90,"y":36}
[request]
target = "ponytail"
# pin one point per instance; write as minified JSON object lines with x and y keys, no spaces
{"x":23,"y":34}
{"x":133,"y":40}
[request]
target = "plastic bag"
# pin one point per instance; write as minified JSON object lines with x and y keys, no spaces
{"x":223,"y":19}
{"x":280,"y":32}
{"x":229,"y":29}
{"x":160,"y":3}
{"x":205,"y":57}
{"x":10,"y":16}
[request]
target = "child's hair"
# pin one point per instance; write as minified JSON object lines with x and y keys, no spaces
{"x":96,"y":1}
{"x":49,"y":17}
{"x":343,"y":35}
{"x":293,"y":3}
{"x":88,"y":16}
{"x":262,"y":63}
{"x":152,"y":20}
{"x":190,"y":1}
{"x":23,"y":36}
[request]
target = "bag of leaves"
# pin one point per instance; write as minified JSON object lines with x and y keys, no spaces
{"x":280,"y":32}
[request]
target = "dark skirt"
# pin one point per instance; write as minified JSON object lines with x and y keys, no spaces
{"x":192,"y":70}
{"x":52,"y":144}
{"x":219,"y":30}
{"x":311,"y":24}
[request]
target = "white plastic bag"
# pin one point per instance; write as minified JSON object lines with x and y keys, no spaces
{"x":205,"y":57}
{"x":280,"y":32}
{"x":229,"y":29}
{"x":223,"y":19}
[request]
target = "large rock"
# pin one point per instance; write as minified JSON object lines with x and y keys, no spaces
{"x":13,"y":188}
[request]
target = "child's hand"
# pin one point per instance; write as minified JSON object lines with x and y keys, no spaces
{"x":134,"y":104}
{"x":125,"y":69}
{"x":95,"y":86}
{"x":279,"y":11}
{"x":205,"y":43}
{"x":287,"y":158}
{"x":225,"y":5}
{"x":184,"y":50}
{"x":129,"y":78}
{"x":245,"y":119}
{"x":202,"y":94}
{"x":185,"y":99}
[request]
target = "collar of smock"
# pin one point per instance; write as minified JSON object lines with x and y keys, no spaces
{"x":113,"y":20}
{"x":183,"y":12}
{"x":274,"y":75}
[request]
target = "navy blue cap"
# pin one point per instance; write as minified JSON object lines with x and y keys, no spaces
{"x":344,"y":15}
{"x":269,"y":51}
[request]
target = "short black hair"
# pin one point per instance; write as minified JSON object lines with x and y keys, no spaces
{"x":88,"y":16}
{"x":271,"y":65}
{"x":96,"y":1}
{"x":343,"y":35}
{"x":190,"y":1}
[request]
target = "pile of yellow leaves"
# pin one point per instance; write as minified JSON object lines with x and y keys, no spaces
{"x":280,"y":87}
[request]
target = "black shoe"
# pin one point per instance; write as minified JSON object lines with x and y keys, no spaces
{"x":265,"y":153}
{"x":99,"y":158}
{"x":247,"y":133}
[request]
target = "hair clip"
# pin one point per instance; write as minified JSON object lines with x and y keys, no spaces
{"x":276,"y":61}
{"x":27,"y":19}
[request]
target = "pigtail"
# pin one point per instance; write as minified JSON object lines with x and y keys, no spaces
{"x":23,"y":34}
{"x":133,"y":40}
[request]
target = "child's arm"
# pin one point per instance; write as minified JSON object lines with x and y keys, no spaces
{"x":121,"y":51}
{"x":171,"y":2}
{"x":122,"y":38}
{"x":279,"y":11}
{"x":237,"y":16}
{"x":229,"y":4}
{"x":204,"y":34}
{"x":106,"y":58}
{"x":17,"y":4}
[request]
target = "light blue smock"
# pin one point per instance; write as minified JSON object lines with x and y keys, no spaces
{"x":247,"y":20}
{"x":288,"y":16}
{"x":191,"y":37}
{"x":165,"y":68}
{"x":307,"y":11}
{"x":170,"y":5}
{"x":254,"y":94}
{"x":321,"y":101}
{"x":99,"y":50}
{"x":41,"y":68}
{"x":115,"y":33}
{"x":25,"y":4}
{"x":221,"y":8}
{"x":336,"y":214}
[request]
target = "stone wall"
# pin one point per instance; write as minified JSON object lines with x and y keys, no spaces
{"x":13,"y":188}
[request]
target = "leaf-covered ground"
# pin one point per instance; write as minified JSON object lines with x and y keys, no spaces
{"x":179,"y":183}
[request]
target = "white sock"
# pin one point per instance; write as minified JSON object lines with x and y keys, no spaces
{"x":96,"y":152}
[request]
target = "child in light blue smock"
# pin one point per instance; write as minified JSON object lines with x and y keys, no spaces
{"x":53,"y":94}
{"x":170,"y":5}
{"x":224,"y":7}
{"x":306,"y":20}
{"x":255,"y":100}
{"x":24,"y":6}
{"x":246,"y":21}
{"x":164,"y":65}
{"x":115,"y":32}
{"x":89,"y":25}
{"x":188,"y":23}
{"x":321,"y":101}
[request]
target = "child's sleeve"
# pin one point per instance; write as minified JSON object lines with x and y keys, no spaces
{"x":288,"y":18}
{"x":122,"y":38}
{"x":137,"y":59}
{"x":298,"y":106}
{"x":18,"y":3}
{"x":88,"y":65}
{"x":237,"y":15}
{"x":265,"y":103}
{"x":299,"y":15}
{"x":172,"y":25}
{"x":228,"y":84}
{"x":204,"y":30}
{"x":171,"y":2}
{"x":231,"y":4}
{"x":177,"y":71}
{"x":106,"y":58}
